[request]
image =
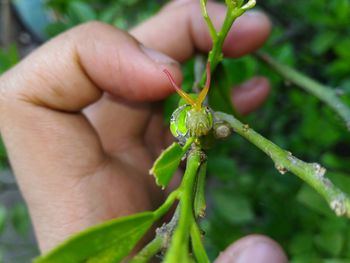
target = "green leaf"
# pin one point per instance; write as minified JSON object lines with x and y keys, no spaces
{"x":56,"y":28}
{"x":20,"y":218}
{"x":2,"y":149}
{"x":219,"y":97}
{"x":310,"y":198}
{"x":13,"y":55}
{"x":336,"y":260}
{"x":109,"y":14}
{"x":234,"y":208}
{"x":323,"y":42}
{"x":2,"y":218}
{"x":80,"y":12}
{"x":105,"y":243}
{"x":342,"y":49}
{"x":333,"y":161}
{"x":341,"y":180}
{"x":167,"y":163}
{"x":8,"y":58}
{"x":301,"y":244}
{"x":307,"y":259}
{"x":221,"y":166}
{"x":331,"y":242}
{"x":339,"y":67}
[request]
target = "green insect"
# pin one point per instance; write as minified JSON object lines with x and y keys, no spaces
{"x":191,"y":119}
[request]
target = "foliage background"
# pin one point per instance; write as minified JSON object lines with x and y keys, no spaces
{"x":246,"y":194}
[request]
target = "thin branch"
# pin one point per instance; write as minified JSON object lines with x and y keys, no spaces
{"x":160,"y":241}
{"x":212,"y":30}
{"x":167,"y":204}
{"x":322,"y":92}
{"x":199,"y":67}
{"x":149,"y":251}
{"x":234,"y":10}
{"x":199,"y":204}
{"x":197,"y":244}
{"x":179,"y":244}
{"x":311,"y":173}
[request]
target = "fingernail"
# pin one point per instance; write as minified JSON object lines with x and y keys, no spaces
{"x":158,"y":57}
{"x":255,"y":13}
{"x":260,"y":252}
{"x":253,"y":83}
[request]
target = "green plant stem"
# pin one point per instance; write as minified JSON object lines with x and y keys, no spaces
{"x":322,"y":92}
{"x":160,"y":241}
{"x":232,"y":13}
{"x":197,"y":244}
{"x":178,"y":251}
{"x":149,"y":251}
{"x":311,"y":173}
{"x":199,"y":196}
{"x":156,"y":244}
{"x":166,"y":205}
{"x":215,"y":55}
{"x":212,"y":30}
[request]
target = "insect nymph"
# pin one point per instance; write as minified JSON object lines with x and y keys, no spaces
{"x":191,"y":119}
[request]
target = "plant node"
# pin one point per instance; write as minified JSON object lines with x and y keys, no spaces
{"x":281,"y":169}
{"x":222,"y":130}
{"x":250,"y":4}
{"x":338,"y":205}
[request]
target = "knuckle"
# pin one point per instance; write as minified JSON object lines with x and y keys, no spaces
{"x":92,"y":27}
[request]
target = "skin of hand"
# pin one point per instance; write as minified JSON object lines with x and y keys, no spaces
{"x":82,"y":125}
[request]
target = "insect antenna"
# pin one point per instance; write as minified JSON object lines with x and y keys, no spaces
{"x":183,"y":94}
{"x":205,"y":89}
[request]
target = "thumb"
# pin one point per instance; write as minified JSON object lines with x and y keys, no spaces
{"x":71,"y":71}
{"x":253,"y":248}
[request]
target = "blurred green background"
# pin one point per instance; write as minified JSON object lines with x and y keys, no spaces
{"x":246,"y":194}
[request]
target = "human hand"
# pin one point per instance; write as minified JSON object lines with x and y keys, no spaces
{"x":77,"y":119}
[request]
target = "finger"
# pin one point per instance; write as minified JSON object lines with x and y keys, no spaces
{"x":250,"y":95}
{"x":179,"y":30}
{"x":110,"y":60}
{"x":119,"y":123}
{"x":253,"y":248}
{"x":154,"y":133}
{"x":53,"y":148}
